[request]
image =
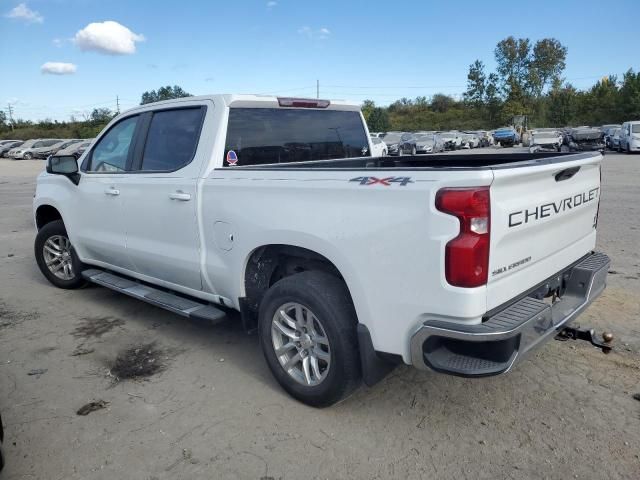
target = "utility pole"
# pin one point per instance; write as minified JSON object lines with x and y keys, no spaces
{"x":317,"y":88}
{"x":117,"y":104}
{"x":10,"y":115}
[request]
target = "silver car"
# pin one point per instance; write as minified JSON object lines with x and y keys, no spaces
{"x":77,"y":148}
{"x":27,"y":152}
{"x":429,"y":143}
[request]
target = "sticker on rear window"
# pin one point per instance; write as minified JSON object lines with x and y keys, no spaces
{"x":232,"y":158}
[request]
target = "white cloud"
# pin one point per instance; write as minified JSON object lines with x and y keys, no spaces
{"x":320,"y":33}
{"x":58,"y":42}
{"x":58,"y":68}
{"x":110,"y":38}
{"x":22,"y":12}
{"x":271,"y":4}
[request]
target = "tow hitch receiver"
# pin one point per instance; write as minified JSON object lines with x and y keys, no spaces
{"x":589,"y":335}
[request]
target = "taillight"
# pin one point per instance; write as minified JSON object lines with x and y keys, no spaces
{"x":303,"y":102}
{"x":467,"y":255}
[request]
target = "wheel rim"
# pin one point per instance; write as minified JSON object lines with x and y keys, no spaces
{"x":57,"y":257}
{"x":301,"y":344}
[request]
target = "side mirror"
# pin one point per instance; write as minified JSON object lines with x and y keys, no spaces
{"x":66,"y":165}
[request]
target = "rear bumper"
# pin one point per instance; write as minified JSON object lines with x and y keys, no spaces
{"x":506,"y":335}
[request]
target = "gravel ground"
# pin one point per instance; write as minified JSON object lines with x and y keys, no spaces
{"x":210,"y":408}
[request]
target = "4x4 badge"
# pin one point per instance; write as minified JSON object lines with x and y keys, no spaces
{"x":387,"y":182}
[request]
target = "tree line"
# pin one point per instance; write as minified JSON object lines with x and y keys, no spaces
{"x":527,"y":82}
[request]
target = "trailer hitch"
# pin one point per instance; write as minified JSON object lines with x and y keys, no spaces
{"x":587,"y":334}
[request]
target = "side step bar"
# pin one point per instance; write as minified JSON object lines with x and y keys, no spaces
{"x":186,"y":307}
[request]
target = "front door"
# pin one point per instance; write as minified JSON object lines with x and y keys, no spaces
{"x":96,"y":215}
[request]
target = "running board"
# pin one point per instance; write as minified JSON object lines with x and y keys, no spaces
{"x":169,"y":301}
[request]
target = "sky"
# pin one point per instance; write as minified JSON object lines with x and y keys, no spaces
{"x":65,"y":57}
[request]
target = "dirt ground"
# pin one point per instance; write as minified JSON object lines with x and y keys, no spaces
{"x":201,"y":402}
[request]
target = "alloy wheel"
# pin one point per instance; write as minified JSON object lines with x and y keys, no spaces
{"x":301,"y":344}
{"x":58,"y":258}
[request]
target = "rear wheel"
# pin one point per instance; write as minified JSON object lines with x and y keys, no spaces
{"x":308,"y":337}
{"x":56,"y":257}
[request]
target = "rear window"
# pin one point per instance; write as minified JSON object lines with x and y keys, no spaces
{"x":258,"y":136}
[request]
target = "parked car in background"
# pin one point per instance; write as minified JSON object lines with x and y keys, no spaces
{"x":506,"y":137}
{"x":376,"y":134}
{"x":77,"y":148}
{"x":630,"y":137}
{"x":378,"y":147}
{"x":17,"y":152}
{"x":408,"y":144}
{"x":614,"y":139}
{"x":470,"y":140}
{"x":452,"y":140}
{"x":45,"y":151}
{"x":393,"y":140}
{"x":583,"y":139}
{"x":34,"y":150}
{"x":545,"y":140}
{"x":429,"y":143}
{"x":7,"y":145}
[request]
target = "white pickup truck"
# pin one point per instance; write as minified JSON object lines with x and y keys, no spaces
{"x":345,"y":264}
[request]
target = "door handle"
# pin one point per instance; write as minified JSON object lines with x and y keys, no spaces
{"x":180,"y":195}
{"x":112,"y":191}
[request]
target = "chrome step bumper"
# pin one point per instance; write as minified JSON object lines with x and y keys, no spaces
{"x":495,"y":345}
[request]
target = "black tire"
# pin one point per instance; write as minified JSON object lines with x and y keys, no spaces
{"x":329,"y":300}
{"x":56,"y":228}
{"x":28,"y":156}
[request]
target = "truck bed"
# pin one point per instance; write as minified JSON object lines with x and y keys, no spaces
{"x":430,"y":162}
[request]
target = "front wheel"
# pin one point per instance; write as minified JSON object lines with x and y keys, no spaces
{"x":56,"y":258}
{"x":308,"y":337}
{"x":28,"y":156}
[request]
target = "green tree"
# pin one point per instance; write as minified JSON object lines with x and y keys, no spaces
{"x":546,"y":65}
{"x":476,"y":84}
{"x":367,"y":108}
{"x":630,"y":96}
{"x":163,"y":93}
{"x":513,"y":56}
{"x":441,"y":102}
{"x":378,"y":120}
{"x":101,"y":115}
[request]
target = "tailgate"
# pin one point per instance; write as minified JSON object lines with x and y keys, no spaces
{"x":542,"y":219}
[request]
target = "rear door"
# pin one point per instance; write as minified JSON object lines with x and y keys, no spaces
{"x":543,"y":218}
{"x":160,"y":198}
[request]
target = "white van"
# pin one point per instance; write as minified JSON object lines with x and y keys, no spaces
{"x":630,"y":137}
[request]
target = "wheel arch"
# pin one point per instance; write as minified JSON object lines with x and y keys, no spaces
{"x":46,"y":214}
{"x":269,"y":263}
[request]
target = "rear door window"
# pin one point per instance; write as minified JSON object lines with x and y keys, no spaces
{"x":172,"y":139}
{"x":259,"y":136}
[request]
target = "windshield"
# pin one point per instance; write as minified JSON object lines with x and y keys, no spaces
{"x":392,"y":138}
{"x":258,"y":136}
{"x":424,"y":138}
{"x":635,"y":128}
